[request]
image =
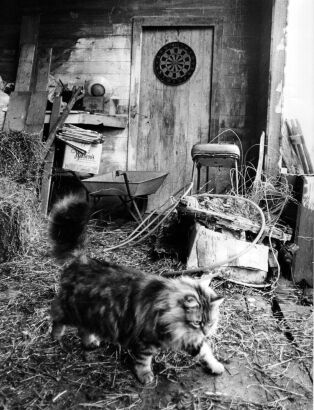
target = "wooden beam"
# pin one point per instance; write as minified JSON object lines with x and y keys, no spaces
{"x":37,"y":107}
{"x":20,"y":99}
{"x":36,"y":112}
{"x":17,"y":111}
{"x":48,"y":165}
{"x":25,"y":68}
{"x":28,"y":43}
{"x":43,"y":63}
{"x":276,"y":78}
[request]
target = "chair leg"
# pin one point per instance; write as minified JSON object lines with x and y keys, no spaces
{"x":237,"y":177}
{"x":198,"y":178}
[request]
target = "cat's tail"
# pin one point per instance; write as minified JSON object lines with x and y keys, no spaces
{"x":67,"y":227}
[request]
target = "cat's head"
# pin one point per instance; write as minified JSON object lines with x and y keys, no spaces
{"x":202,"y":312}
{"x":201,"y":308}
{"x":193,"y":311}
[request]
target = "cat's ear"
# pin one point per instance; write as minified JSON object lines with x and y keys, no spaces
{"x":190,"y":302}
{"x":205,"y":280}
{"x":216,"y":302}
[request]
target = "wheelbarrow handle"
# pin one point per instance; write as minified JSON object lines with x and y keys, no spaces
{"x":126,"y":181}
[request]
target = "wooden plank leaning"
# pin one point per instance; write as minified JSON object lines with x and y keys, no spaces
{"x":77,"y":94}
{"x":48,"y":163}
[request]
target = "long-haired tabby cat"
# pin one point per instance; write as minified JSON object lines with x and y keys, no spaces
{"x":139,"y":311}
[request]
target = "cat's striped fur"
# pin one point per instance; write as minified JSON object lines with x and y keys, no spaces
{"x":139,"y":311}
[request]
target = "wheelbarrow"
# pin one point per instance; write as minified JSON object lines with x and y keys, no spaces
{"x":127,"y":185}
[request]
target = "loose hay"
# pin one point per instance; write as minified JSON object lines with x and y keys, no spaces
{"x":19,"y":218}
{"x":37,"y":373}
{"x":20,"y":164}
{"x":21,"y":156}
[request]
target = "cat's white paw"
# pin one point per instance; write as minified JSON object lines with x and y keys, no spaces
{"x":146,"y":378}
{"x":217,"y":367}
{"x":90,"y":341}
{"x":57,"y":331}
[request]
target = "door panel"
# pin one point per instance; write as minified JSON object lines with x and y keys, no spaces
{"x":173,"y":118}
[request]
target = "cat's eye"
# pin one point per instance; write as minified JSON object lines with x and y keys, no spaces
{"x":196,"y":323}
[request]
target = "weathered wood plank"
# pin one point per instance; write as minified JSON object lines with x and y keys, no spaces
{"x":290,"y":158}
{"x":96,"y":43}
{"x":25,"y":68}
{"x":134,"y":94}
{"x":236,"y":222}
{"x":104,"y":68}
{"x":93,"y":54}
{"x":116,"y":80}
{"x":297,"y":139}
{"x":36,"y":112}
{"x":116,"y":121}
{"x":37,"y":107}
{"x":303,"y":263}
{"x":28,"y":42}
{"x":17,"y":111}
{"x":48,"y":164}
{"x":77,"y":93}
{"x":43,"y":62}
{"x":276,"y":73}
{"x":114,"y":151}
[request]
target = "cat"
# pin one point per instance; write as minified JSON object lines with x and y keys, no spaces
{"x":142,"y":312}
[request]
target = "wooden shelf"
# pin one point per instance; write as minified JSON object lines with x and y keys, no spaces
{"x":81,"y":117}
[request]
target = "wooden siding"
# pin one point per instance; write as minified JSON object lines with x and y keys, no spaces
{"x":94,"y":37}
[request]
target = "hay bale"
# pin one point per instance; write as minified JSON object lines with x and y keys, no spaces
{"x":21,"y":156}
{"x":19,"y":219}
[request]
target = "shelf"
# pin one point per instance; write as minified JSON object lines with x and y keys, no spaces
{"x":82,"y":117}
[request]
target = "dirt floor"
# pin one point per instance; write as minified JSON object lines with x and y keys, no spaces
{"x":267,"y":351}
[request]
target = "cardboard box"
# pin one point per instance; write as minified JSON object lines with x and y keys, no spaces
{"x":79,"y":162}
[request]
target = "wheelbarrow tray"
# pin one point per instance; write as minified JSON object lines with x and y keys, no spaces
{"x":141,"y":183}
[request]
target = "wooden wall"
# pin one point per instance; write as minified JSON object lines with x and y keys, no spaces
{"x":94,"y":37}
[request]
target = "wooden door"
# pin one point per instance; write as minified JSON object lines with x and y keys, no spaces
{"x":171,"y":118}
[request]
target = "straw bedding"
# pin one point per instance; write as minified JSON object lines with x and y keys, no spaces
{"x":38,"y":373}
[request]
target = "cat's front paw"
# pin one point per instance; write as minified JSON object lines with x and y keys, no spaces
{"x":145,"y":377}
{"x":57,"y":331}
{"x":216,"y":368}
{"x":90,"y":342}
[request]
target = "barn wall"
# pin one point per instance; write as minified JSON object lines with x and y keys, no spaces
{"x":94,"y":37}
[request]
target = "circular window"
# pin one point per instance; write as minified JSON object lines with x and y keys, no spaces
{"x":174,"y":63}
